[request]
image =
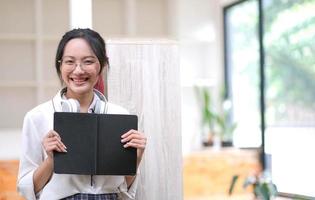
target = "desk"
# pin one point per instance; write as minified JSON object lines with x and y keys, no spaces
{"x":208,"y":173}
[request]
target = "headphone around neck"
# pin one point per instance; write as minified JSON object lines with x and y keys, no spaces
{"x":73,"y":105}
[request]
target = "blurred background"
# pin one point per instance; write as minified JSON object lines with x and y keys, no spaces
{"x":247,"y":75}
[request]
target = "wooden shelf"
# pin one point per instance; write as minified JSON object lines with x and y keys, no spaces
{"x":17,"y":37}
{"x":28,"y":37}
{"x":12,"y":84}
{"x":23,"y":84}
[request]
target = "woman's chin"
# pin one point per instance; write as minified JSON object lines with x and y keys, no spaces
{"x":80,"y":89}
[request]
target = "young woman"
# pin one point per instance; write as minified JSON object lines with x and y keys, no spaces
{"x":80,"y":60}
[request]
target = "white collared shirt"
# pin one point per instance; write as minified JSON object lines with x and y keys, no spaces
{"x":37,"y":124}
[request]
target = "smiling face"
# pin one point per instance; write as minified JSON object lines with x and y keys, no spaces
{"x":80,"y":68}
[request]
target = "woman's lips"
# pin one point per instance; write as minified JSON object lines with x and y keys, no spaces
{"x":79,"y":81}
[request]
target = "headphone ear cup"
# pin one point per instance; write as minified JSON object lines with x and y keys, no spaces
{"x":99,"y":107}
{"x":70,"y":105}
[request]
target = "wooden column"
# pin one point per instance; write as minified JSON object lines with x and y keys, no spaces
{"x":144,"y":77}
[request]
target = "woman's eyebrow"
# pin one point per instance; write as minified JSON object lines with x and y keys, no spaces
{"x":84,"y":57}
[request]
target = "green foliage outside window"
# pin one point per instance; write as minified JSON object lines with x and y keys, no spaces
{"x":290,"y":59}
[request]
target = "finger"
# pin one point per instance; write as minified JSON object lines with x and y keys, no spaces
{"x":57,"y":137}
{"x":131,"y":131}
{"x":53,"y":147}
{"x":60,"y":142}
{"x":47,"y":142}
{"x":55,"y":134}
{"x":50,"y":139}
{"x":53,"y":139}
{"x":135,"y":145}
{"x":127,"y":134}
{"x":132,"y":136}
{"x":57,"y":146}
{"x":61,"y":146}
{"x":138,"y":141}
{"x":52,"y":134}
{"x":50,"y":148}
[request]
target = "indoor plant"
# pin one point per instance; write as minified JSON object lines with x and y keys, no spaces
{"x":263,"y":187}
{"x":208,"y":116}
{"x":215,"y":125}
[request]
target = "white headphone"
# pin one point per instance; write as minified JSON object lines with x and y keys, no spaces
{"x":73,"y":105}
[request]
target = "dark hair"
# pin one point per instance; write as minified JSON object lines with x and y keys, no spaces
{"x":93,"y":38}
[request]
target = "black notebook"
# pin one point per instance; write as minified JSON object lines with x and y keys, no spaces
{"x":94,"y":145}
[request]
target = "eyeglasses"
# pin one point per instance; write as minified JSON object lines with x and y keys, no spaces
{"x":86,"y":64}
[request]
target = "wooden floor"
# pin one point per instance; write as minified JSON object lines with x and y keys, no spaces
{"x":8,"y":176}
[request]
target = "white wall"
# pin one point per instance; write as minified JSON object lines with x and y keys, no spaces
{"x":200,"y":36}
{"x":199,"y":29}
{"x":196,"y":25}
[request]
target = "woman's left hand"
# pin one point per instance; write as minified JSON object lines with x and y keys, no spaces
{"x":136,"y":139}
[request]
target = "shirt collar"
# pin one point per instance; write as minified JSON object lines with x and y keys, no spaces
{"x":61,"y":96}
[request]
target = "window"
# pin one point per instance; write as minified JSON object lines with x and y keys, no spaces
{"x":242,"y":67}
{"x":289,"y":76}
{"x":290,"y":100}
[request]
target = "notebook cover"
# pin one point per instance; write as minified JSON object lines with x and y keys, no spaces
{"x":113,"y":158}
{"x":78,"y":133}
{"x":93,"y":144}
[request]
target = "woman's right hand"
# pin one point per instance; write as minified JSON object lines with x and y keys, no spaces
{"x":52,"y":142}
